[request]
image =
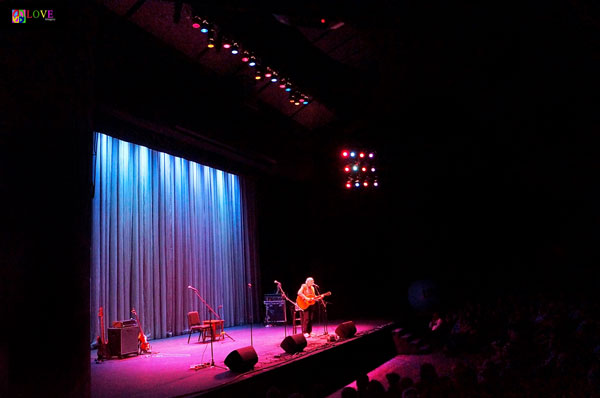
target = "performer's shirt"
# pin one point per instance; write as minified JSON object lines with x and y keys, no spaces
{"x":308,"y":291}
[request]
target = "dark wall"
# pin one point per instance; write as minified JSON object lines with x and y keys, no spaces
{"x":45,"y":152}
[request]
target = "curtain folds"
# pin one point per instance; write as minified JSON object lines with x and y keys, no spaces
{"x":160,"y":224}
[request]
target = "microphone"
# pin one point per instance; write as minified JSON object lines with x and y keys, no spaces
{"x":315,"y":285}
{"x":249,"y":284}
{"x":279,"y":283}
{"x":193,"y":288}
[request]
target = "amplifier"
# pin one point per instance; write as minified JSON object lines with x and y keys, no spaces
{"x":124,"y":324}
{"x":273,"y":297}
{"x":123,"y":341}
{"x":275,"y":312}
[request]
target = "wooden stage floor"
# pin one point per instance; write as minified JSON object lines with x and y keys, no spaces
{"x":168,"y":370}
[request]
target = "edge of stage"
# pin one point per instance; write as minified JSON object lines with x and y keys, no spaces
{"x":174,"y":368}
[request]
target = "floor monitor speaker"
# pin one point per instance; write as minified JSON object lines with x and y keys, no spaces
{"x":294,"y":343}
{"x":241,"y":360}
{"x":346,"y":329}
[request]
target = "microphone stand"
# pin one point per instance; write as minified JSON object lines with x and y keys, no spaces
{"x":212,"y":329}
{"x":324,"y":313}
{"x":285,"y":311}
{"x":251,"y":311}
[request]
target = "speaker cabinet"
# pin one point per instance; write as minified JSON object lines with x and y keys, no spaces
{"x":275,"y":312}
{"x":294,"y":343}
{"x":123,"y":341}
{"x":346,"y":329}
{"x":241,"y":360}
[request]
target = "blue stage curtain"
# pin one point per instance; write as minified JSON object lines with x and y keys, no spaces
{"x":161,"y":223}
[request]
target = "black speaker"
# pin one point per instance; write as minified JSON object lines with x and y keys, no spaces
{"x":346,"y":329}
{"x":123,"y":341}
{"x":294,"y":343}
{"x":241,"y":360}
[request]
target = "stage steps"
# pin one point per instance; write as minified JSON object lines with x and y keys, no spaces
{"x":409,"y":342}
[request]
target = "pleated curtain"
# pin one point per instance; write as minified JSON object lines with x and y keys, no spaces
{"x":160,"y":224}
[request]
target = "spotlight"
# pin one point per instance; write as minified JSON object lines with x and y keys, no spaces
{"x":371,"y":155}
{"x":355,"y":168}
{"x":288,"y":87}
{"x":282,"y":83}
{"x":362,"y":155}
{"x":252,"y":61}
{"x":226,"y":44}
{"x":211,"y":39}
{"x":245,"y":57}
{"x":258,"y":75}
{"x":345,"y":154}
{"x":346,"y":169}
{"x":204,"y":27}
{"x":196,"y":22}
{"x":235,"y":49}
{"x":352,"y":154}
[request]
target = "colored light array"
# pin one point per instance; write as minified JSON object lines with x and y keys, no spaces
{"x":359,"y":169}
{"x":261,"y":73}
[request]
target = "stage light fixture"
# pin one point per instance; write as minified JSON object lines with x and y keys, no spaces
{"x":226,"y":44}
{"x":211,"y":42}
{"x":288,"y":87}
{"x":196,"y":22}
{"x":245,"y":56}
{"x":204,"y":26}
{"x":359,"y":168}
{"x":252,"y":61}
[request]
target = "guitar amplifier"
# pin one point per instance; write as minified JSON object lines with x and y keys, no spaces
{"x":275,"y":312}
{"x":273,"y":297}
{"x":123,"y":341}
{"x":124,"y":324}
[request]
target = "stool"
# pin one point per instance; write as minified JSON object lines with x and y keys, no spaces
{"x":297,"y":319}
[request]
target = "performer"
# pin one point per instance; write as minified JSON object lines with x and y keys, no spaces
{"x":307,"y":294}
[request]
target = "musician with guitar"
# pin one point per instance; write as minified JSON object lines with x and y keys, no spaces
{"x":306,"y":300}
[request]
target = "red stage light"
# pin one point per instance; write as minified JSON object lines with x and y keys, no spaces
{"x":362,"y":155}
{"x":346,"y":169}
{"x":345,"y":154}
{"x":364,"y":169}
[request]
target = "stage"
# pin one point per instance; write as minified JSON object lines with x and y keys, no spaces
{"x":175,"y":368}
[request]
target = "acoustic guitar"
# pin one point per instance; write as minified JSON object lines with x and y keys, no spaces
{"x":144,"y":345}
{"x":304,"y":304}
{"x":102,"y":345}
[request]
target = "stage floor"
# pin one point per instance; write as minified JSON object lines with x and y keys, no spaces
{"x":168,"y":370}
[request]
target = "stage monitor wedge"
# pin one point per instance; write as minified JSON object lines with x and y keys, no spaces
{"x":242,"y":359}
{"x":346,"y":330}
{"x":294,"y":343}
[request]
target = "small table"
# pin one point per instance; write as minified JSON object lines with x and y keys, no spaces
{"x":217,"y":328}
